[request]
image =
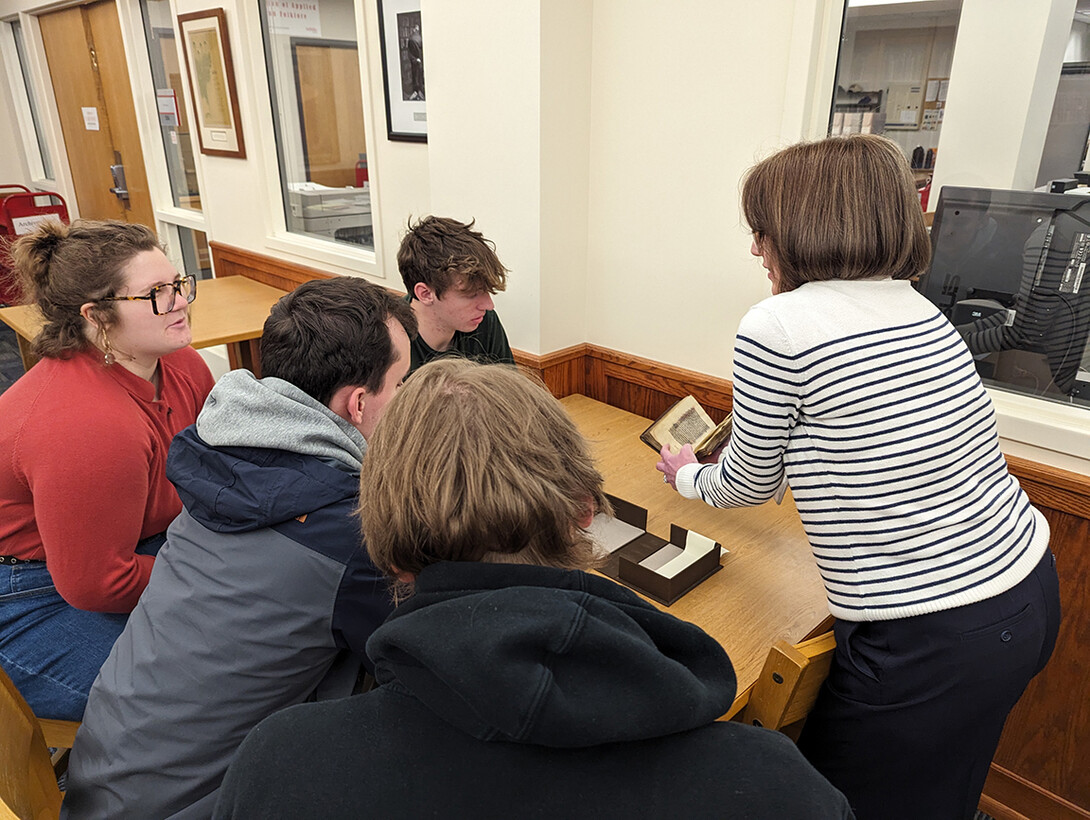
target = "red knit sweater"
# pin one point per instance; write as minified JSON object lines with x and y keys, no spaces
{"x":83,"y":452}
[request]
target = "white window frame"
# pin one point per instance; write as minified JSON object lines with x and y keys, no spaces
{"x":350,"y":260}
{"x":50,"y":135}
{"x":147,"y":116}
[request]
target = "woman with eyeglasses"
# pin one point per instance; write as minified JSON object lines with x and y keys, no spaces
{"x":856,"y":389}
{"x":84,"y":499}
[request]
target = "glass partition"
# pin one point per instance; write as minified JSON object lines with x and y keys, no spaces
{"x":893,"y":71}
{"x":192,"y":246}
{"x":1008,"y":270}
{"x":170,"y":101}
{"x":32,"y":99}
{"x":313,"y":64}
{"x":1065,"y":151}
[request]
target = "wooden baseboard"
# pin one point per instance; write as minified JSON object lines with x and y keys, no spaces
{"x":648,"y":388}
{"x":1010,"y":797}
{"x":1052,"y":487}
{"x":562,"y":371}
{"x":232,"y":261}
{"x":632,"y":383}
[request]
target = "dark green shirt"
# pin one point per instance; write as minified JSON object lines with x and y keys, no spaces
{"x":487,"y":345}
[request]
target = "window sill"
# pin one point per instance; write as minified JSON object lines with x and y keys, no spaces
{"x":308,"y":250}
{"x":1044,"y":431}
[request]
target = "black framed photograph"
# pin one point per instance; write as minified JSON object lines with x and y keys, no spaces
{"x":403,"y":69}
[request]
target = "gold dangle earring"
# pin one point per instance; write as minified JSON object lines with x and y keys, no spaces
{"x":108,"y":357}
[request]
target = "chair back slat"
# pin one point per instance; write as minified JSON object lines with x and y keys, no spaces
{"x":789,"y":683}
{"x":28,"y":785}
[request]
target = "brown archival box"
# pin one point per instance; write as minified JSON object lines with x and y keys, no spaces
{"x":624,"y":563}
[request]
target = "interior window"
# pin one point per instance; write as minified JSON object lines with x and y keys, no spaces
{"x":1065,"y":151}
{"x":893,"y":72}
{"x":32,"y":99}
{"x":314,"y":82}
{"x":166,"y":71}
{"x":188,"y":249}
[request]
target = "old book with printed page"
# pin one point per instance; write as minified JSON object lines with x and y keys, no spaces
{"x":686,"y":422}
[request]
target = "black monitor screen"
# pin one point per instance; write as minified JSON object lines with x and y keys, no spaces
{"x":1008,"y":269}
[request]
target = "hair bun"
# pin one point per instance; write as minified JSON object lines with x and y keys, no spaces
{"x":32,"y":255}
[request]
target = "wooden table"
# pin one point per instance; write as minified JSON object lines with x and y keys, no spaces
{"x":229,"y":311}
{"x":769,"y":587}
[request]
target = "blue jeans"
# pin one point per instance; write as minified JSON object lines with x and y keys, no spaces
{"x":51,"y":650}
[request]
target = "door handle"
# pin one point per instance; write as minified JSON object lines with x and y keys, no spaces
{"x":117,"y":171}
{"x":119,"y":190}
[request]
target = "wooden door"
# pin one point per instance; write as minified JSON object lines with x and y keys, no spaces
{"x":94,"y":99}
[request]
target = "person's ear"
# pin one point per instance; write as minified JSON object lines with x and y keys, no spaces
{"x":355,"y":403}
{"x":423,"y":294}
{"x":92,"y":313}
{"x":588,"y":517}
{"x":403,"y":576}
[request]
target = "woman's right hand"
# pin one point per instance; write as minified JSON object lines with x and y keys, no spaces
{"x":670,"y":463}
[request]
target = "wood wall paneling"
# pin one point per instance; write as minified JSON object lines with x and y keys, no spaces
{"x":1052,"y":487}
{"x":1043,"y":753}
{"x":231,"y":261}
{"x":1005,"y":789}
{"x":648,"y":388}
{"x":562,"y":371}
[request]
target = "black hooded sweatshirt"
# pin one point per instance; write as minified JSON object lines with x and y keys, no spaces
{"x":511,"y":690}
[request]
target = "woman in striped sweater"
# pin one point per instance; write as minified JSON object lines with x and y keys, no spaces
{"x":856,"y":388}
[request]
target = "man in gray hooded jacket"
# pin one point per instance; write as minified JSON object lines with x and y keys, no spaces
{"x":261,"y":597}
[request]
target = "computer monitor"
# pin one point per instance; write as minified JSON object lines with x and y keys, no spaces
{"x":1008,"y":269}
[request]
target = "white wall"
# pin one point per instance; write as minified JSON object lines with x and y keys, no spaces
{"x":598,"y":144}
{"x":685,"y":97}
{"x":483,"y":74}
{"x":399,"y":173}
{"x":567,"y":32}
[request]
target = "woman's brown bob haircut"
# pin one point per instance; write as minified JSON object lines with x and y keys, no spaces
{"x":62,"y":267}
{"x":839,"y":208}
{"x":477,"y":463}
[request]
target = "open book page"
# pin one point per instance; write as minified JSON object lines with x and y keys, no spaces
{"x":684,"y":423}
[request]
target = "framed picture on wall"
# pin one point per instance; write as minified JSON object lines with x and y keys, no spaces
{"x":403,"y":69}
{"x":212,"y":82}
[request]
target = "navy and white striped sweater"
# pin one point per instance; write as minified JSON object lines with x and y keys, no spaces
{"x":868,"y":398}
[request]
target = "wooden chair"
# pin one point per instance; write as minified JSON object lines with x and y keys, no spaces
{"x":28,"y":783}
{"x":59,"y":734}
{"x":785,"y":692}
